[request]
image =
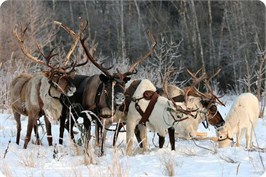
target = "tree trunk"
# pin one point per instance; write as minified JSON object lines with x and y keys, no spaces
{"x":198,"y":36}
{"x":123,"y":37}
{"x":71,"y":12}
{"x":212,"y":47}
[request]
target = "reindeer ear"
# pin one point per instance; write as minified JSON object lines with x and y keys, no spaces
{"x":104,"y":78}
{"x":46,"y":73}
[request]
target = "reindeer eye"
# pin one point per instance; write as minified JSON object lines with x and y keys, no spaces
{"x":221,"y":137}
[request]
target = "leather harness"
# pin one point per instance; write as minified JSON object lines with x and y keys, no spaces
{"x":147,"y":95}
{"x":96,"y":108}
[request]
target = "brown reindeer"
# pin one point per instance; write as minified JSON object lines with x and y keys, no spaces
{"x":38,"y":94}
{"x":213,"y":116}
{"x":100,"y":93}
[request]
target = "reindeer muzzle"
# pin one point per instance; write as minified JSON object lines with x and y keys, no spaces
{"x":119,"y":99}
{"x":70,"y":91}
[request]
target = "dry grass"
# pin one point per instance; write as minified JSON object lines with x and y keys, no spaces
{"x":89,"y":155}
{"x":5,"y":169}
{"x":75,"y":172}
{"x":116,"y":169}
{"x":168,"y":164}
{"x":189,"y":152}
{"x":28,"y":159}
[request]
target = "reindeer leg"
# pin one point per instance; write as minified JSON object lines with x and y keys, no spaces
{"x":143,"y":136}
{"x":102,"y":132}
{"x":238,"y":136}
{"x":35,"y":128}
{"x":62,"y":128}
{"x":137,"y":134}
{"x":31,"y":123}
{"x":97,"y":132}
{"x":87,"y":125}
{"x":118,"y":128}
{"x":49,"y":131}
{"x":248,"y":141}
{"x":161,"y":141}
{"x":17,"y":118}
{"x":171,"y":132}
{"x":62,"y":125}
{"x":131,"y":126}
{"x":102,"y":144}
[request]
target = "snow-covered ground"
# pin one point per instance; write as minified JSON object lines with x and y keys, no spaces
{"x":191,"y":159}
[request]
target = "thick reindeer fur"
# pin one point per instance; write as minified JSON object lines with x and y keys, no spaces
{"x":173,"y":91}
{"x":243,"y":115}
{"x":159,"y":121}
{"x":187,"y":129}
{"x":51,"y":107}
{"x":29,"y":97}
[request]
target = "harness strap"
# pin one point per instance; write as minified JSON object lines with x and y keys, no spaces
{"x":97,"y":98}
{"x":180,"y":119}
{"x":138,"y":108}
{"x":227,"y":137}
{"x":52,"y":84}
{"x":147,"y":113}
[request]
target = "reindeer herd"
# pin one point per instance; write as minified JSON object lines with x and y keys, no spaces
{"x":102,"y":99}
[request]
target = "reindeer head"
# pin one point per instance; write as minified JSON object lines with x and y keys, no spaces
{"x":225,"y":137}
{"x":59,"y":80}
{"x":208,"y":100}
{"x":115,"y":83}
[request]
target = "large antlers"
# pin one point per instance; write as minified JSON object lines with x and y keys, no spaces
{"x":192,"y":89}
{"x":90,"y":57}
{"x":195,"y":80}
{"x":164,"y":80}
{"x":75,"y":37}
{"x":210,"y":90}
{"x":132,"y":69}
{"x":21,"y":40}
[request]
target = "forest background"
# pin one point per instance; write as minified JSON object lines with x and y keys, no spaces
{"x":191,"y":34}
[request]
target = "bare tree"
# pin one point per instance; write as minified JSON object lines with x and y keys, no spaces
{"x":165,"y":59}
{"x":196,"y":23}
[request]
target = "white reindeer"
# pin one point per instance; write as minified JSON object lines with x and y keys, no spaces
{"x":163,"y":116}
{"x":243,"y":115}
{"x":187,"y":129}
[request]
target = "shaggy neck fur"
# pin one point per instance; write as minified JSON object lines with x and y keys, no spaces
{"x":188,"y":128}
{"x":51,"y":106}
